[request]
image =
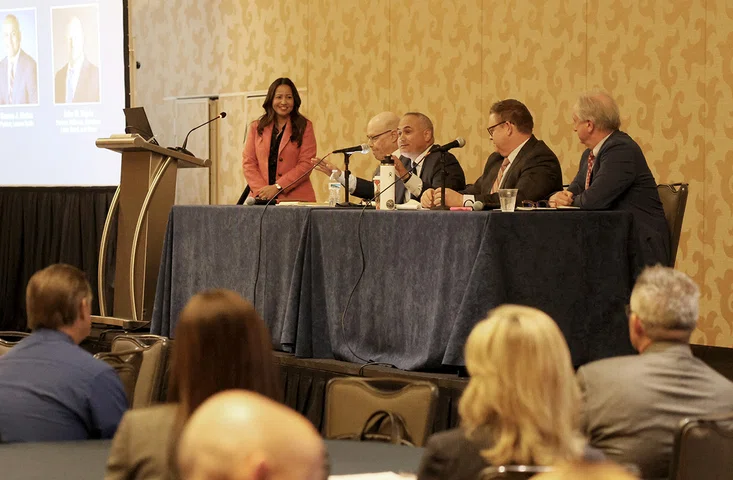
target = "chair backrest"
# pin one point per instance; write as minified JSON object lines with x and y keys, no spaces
{"x":127,"y":365}
{"x":674,"y":201}
{"x":350,"y":401}
{"x":9,"y":339}
{"x":703,"y":449}
{"x":512,"y":472}
{"x":155,"y":350}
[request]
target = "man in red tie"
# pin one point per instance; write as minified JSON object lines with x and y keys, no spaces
{"x":520,"y":161}
{"x":614,"y":175}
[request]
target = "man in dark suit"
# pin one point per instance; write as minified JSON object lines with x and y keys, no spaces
{"x":18,"y":71}
{"x":633,"y":404}
{"x":421,"y":166}
{"x":520,"y":161}
{"x":78,"y":80}
{"x":619,"y":177}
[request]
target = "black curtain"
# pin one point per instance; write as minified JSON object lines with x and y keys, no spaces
{"x":40,"y":226}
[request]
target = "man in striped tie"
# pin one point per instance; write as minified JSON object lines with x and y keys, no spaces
{"x":520,"y":161}
{"x":614,"y":175}
{"x":18,"y":71}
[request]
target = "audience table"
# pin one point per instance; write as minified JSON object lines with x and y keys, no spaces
{"x":87,"y":460}
{"x":427,"y":277}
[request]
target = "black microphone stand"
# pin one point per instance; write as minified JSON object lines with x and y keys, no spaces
{"x":346,"y":203}
{"x":442,"y":205}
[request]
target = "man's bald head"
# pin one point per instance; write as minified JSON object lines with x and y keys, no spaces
{"x":382,"y":134}
{"x":241,"y":435}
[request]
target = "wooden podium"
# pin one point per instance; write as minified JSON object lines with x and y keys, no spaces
{"x":144,"y":199}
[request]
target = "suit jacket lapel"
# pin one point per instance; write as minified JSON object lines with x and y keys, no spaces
{"x":521,"y":157}
{"x":265,"y":140}
{"x":285,"y":139}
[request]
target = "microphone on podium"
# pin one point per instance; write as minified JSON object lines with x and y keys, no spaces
{"x":185,"y":141}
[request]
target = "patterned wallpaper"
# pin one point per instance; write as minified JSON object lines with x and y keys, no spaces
{"x":669,"y":64}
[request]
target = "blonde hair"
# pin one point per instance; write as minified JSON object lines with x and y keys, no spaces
{"x":522,"y":390}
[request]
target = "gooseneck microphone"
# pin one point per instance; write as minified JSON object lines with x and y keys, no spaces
{"x":363,"y":148}
{"x":457,"y":143}
{"x":185,"y":141}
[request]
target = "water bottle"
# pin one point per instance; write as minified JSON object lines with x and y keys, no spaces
{"x":334,"y":189}
{"x":387,"y":178}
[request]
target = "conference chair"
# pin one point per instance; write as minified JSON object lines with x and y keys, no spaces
{"x":512,"y":472}
{"x":127,"y":365}
{"x":9,"y":339}
{"x":674,"y":201}
{"x":352,"y":403}
{"x":703,"y":449}
{"x":150,"y":385}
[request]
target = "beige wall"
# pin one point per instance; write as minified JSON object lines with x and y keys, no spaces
{"x":669,"y":64}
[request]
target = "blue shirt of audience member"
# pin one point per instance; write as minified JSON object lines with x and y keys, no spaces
{"x":53,"y":390}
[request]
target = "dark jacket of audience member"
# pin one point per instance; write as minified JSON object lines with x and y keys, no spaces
{"x":221,"y":343}
{"x":51,"y":389}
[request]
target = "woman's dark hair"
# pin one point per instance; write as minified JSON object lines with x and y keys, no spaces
{"x":221,"y":343}
{"x":297,"y":121}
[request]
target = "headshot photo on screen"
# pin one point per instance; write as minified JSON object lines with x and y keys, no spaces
{"x":19,"y":51}
{"x":76,"y":55}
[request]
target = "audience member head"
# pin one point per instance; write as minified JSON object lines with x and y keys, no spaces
{"x":240,"y":435}
{"x":595,"y":116}
{"x":283,"y":101}
{"x":587,"y":471}
{"x":522,"y":392}
{"x":381,"y":134}
{"x":511,"y":125}
{"x":59,"y":298}
{"x":221,"y":343}
{"x":416,"y":134}
{"x":664,"y":307}
{"x":11,"y":35}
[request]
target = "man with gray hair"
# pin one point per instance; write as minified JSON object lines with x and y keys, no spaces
{"x":633,"y":404}
{"x":614,"y":175}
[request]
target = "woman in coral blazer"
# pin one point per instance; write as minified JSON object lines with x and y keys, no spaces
{"x":279,"y":147}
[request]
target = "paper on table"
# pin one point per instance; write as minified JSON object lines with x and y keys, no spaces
{"x":374,"y":476}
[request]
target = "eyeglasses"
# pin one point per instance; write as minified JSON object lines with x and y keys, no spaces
{"x":373,"y":138}
{"x":537,"y":204}
{"x":491,"y":128}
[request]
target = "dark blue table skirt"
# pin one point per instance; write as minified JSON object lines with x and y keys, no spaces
{"x":428,"y":276}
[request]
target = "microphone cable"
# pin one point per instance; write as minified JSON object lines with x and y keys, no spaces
{"x":363,"y":263}
{"x":262,"y":216}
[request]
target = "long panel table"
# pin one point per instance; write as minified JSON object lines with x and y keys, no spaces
{"x":427,"y":278}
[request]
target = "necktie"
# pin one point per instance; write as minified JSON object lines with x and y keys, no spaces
{"x":10,"y":85}
{"x":591,"y":161}
{"x":70,"y":85}
{"x":497,"y":182}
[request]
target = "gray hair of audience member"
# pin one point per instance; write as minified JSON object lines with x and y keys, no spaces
{"x":600,"y":108}
{"x":427,"y":123}
{"x":665,"y":299}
